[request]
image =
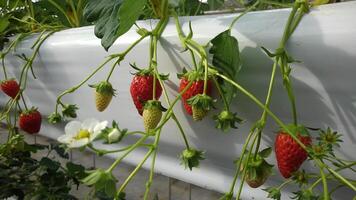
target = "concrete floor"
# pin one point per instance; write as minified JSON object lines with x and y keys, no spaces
{"x":166,"y":188}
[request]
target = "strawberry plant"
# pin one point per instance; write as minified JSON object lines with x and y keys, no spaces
{"x":215,"y":67}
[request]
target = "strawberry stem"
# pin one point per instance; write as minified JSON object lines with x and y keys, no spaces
{"x":245,"y":167}
{"x":243,"y":13}
{"x":217,"y":85}
{"x":3,"y":66}
{"x":24,"y":102}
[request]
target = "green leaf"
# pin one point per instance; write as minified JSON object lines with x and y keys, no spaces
{"x":104,"y":13}
{"x":192,"y":7}
{"x":50,"y":164}
{"x":129,"y":12}
{"x":4,"y":23}
{"x":60,"y":150}
{"x":113,"y":18}
{"x":226,"y":59}
{"x":265,"y":152}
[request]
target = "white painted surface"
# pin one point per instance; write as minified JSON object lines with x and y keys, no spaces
{"x":324,"y":83}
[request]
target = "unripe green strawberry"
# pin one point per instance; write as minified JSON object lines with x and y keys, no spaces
{"x":102,"y":101}
{"x":103,"y":95}
{"x":198,"y":113}
{"x":201,"y":104}
{"x":152,"y":114}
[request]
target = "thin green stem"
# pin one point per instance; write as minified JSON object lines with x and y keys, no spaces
{"x":133,"y":147}
{"x":3,"y":67}
{"x":75,"y":14}
{"x":134,"y":172}
{"x":206,"y":69}
{"x":103,"y":151}
{"x":285,"y":183}
{"x":327,"y":176}
{"x":170,"y":109}
{"x":245,"y":168}
{"x":111,"y":71}
{"x":243,"y":13}
{"x":267,"y":103}
{"x":325,"y":184}
{"x":217,"y":85}
{"x":296,"y":22}
{"x":23,"y":101}
{"x":341,"y":178}
{"x":150,"y":179}
{"x":193,"y":59}
{"x":165,"y":94}
{"x":154,"y":63}
{"x":237,"y":171}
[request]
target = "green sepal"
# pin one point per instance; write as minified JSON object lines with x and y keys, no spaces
{"x":105,"y":134}
{"x":257,"y":166}
{"x":298,"y":129}
{"x":104,"y":87}
{"x":305,"y":195}
{"x":191,"y":158}
{"x":147,"y":72}
{"x":154,"y":104}
{"x":202,"y":101}
{"x":29,"y":111}
{"x":273,"y":193}
{"x":300,"y":177}
{"x":192,"y":75}
{"x":226,"y":120}
{"x":102,"y":180}
{"x":70,"y":111}
{"x":329,"y":137}
{"x":54,"y":118}
{"x":121,"y":196}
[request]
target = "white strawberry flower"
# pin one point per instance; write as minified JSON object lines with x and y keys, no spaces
{"x":78,"y":134}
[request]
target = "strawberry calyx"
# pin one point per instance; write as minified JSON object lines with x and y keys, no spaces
{"x":297,"y":130}
{"x":154,"y":104}
{"x":192,"y":75}
{"x":202,"y":101}
{"x":147,"y":72}
{"x":226,"y":120}
{"x":104,"y":87}
{"x":191,"y":158}
{"x":29,"y":111}
{"x":7,"y":80}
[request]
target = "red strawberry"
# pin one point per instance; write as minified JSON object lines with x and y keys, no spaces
{"x":30,"y":121}
{"x":10,"y":87}
{"x":196,"y":88}
{"x":141,"y":88}
{"x":290,"y":155}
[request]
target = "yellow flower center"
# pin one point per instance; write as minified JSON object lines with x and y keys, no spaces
{"x":82,"y":134}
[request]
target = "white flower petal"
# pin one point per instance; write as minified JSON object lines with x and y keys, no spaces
{"x":89,"y":124}
{"x":66,"y":139}
{"x":78,"y":143}
{"x":72,"y":128}
{"x":100,"y":126}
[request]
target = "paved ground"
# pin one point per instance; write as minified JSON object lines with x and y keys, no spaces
{"x":163,"y":186}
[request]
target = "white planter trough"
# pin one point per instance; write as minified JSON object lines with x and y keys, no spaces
{"x":324,"y":82}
